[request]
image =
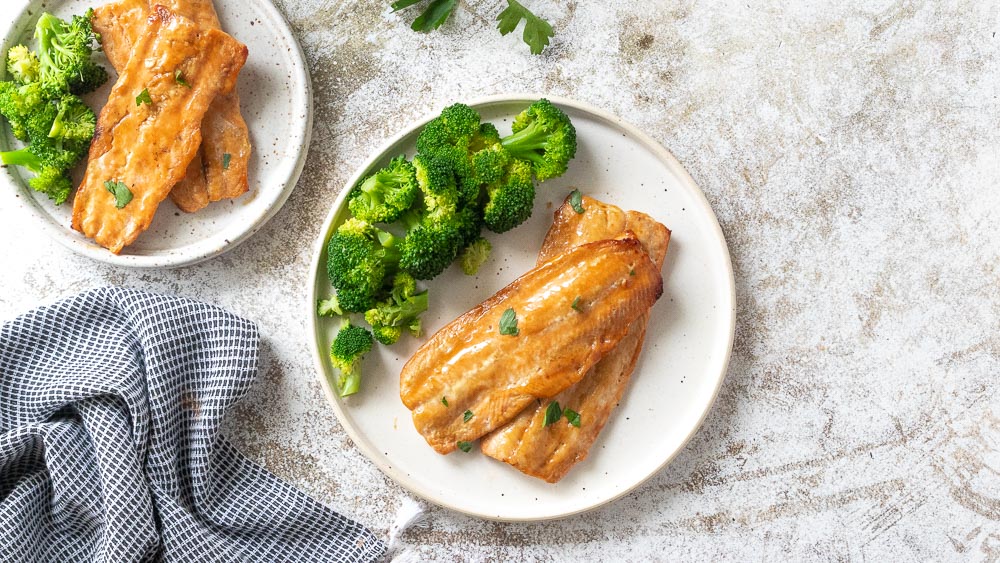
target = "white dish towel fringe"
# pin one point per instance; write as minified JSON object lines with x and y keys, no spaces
{"x":410,"y":513}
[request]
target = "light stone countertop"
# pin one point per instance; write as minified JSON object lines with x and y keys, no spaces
{"x":851,"y":152}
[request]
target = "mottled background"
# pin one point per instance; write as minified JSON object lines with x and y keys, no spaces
{"x":852,"y":154}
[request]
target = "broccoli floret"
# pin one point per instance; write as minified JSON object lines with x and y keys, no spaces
{"x":511,"y":200}
{"x":360,"y":260}
{"x":25,"y":107}
{"x":64,"y":50}
{"x":434,"y":239}
{"x":400,"y":310}
{"x":449,"y":137}
{"x":22,"y":64}
{"x":474,"y":255}
{"x":348,"y":348}
{"x":437,"y":183}
{"x":51,"y":179}
{"x":544,"y":136}
{"x":74,"y":123}
{"x":383,"y":196}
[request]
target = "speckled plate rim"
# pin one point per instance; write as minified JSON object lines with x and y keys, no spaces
{"x":648,"y":142}
{"x":189,"y":254}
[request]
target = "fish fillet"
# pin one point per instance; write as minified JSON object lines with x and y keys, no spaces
{"x":148,"y":146}
{"x":470,"y":366}
{"x":549,"y":452}
{"x":210,"y":176}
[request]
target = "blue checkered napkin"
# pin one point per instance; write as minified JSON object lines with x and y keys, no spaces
{"x":110,"y":405}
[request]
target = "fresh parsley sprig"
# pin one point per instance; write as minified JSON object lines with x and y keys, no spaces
{"x":536,"y":35}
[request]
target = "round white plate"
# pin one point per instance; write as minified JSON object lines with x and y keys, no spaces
{"x":682,"y":365}
{"x":276,"y":100}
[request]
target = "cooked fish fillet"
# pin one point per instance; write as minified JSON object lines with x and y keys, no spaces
{"x":148,"y":146}
{"x":473,"y":367}
{"x":211,"y":176}
{"x":549,"y":452}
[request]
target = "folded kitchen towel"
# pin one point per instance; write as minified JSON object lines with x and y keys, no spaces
{"x":110,"y":406}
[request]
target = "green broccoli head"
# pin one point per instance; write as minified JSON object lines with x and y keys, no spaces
{"x":64,"y":55}
{"x":53,"y":182}
{"x":475,"y":255}
{"x":348,"y":348}
{"x":511,"y":200}
{"x":384,"y":195}
{"x":74,"y":122}
{"x":487,"y":159}
{"x":437,"y":183}
{"x":429,"y":248}
{"x":22,"y":64}
{"x":543,"y":136}
{"x":27,"y":111}
{"x":400,"y":310}
{"x":449,"y":135}
{"x":360,"y":259}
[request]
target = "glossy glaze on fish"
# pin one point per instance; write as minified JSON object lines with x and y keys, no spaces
{"x":549,"y":452}
{"x":472,"y":367}
{"x":148,"y":146}
{"x":210,"y":176}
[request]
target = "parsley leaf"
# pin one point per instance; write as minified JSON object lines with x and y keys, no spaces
{"x":464,"y":446}
{"x":179,"y":78}
{"x":536,"y":30}
{"x":508,"y":323}
{"x":576,"y":200}
{"x":444,"y":401}
{"x":432,"y":17}
{"x":226,"y":157}
{"x":572,"y":416}
{"x":552,"y":414}
{"x":143,"y":98}
{"x":122,"y":194}
{"x":467,"y":416}
{"x":329,"y":307}
{"x":576,"y":304}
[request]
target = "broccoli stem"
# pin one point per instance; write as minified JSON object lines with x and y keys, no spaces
{"x":22,"y":157}
{"x":529,"y":139}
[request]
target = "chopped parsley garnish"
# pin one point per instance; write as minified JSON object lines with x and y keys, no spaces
{"x":465,"y":446}
{"x":631,"y":272}
{"x":552,"y":414}
{"x":467,"y":416}
{"x":572,"y":416}
{"x":179,"y":78}
{"x":444,"y":401}
{"x":536,"y":30}
{"x":576,"y":200}
{"x":508,"y":323}
{"x":122,"y":194}
{"x":143,"y":98}
{"x":576,"y":304}
{"x":226,"y":157}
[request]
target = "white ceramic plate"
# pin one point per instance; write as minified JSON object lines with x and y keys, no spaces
{"x":679,"y":373}
{"x":276,"y":100}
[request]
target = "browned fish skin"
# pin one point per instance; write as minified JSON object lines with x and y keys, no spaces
{"x":148,"y":147}
{"x":223,"y":129}
{"x":496,"y":376}
{"x":549,"y":452}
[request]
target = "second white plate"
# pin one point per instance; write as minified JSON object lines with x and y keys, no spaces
{"x":276,"y":101}
{"x":675,"y":382}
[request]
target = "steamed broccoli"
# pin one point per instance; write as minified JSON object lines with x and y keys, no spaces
{"x":544,"y":136}
{"x":400,"y":310}
{"x":436,"y":182}
{"x":348,"y":348}
{"x":449,"y":137}
{"x":52,"y":178}
{"x":384,"y":195}
{"x":74,"y":123}
{"x":22,"y":64}
{"x":360,"y":260}
{"x":510,"y":200}
{"x":474,"y":255}
{"x":64,"y":50}
{"x":434,"y":239}
{"x":27,"y":110}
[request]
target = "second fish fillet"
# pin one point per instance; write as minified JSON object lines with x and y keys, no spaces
{"x":550,"y":451}
{"x":470,"y":379}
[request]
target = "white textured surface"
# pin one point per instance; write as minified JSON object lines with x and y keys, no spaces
{"x":852,"y":154}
